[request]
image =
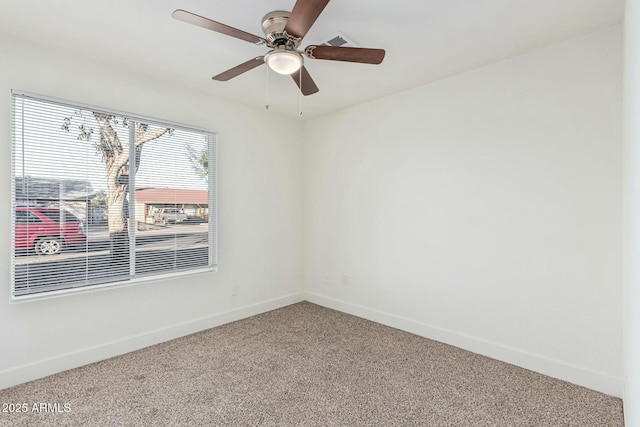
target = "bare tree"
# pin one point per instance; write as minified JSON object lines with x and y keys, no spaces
{"x":116,"y":159}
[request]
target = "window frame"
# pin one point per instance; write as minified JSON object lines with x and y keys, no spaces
{"x":212,"y":139}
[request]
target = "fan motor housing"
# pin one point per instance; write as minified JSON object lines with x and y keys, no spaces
{"x":273,"y":24}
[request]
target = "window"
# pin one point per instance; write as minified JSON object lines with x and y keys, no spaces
{"x":102,"y":198}
{"x":25,"y":217}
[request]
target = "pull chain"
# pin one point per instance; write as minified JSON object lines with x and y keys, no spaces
{"x":266,"y":102}
{"x":300,"y":93}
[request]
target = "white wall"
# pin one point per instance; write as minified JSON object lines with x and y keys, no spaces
{"x":260,"y":223}
{"x":483,"y":210}
{"x":632,"y":216}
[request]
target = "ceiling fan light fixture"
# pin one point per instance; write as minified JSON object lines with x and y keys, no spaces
{"x":284,"y":61}
{"x":284,"y":32}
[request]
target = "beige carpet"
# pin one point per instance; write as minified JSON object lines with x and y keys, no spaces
{"x":309,"y":366}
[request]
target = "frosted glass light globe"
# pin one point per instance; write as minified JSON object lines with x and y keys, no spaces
{"x":284,"y":61}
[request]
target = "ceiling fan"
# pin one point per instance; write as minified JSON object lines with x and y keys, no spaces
{"x":283,"y":34}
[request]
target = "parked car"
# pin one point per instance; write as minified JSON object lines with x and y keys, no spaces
{"x":47,"y":230}
{"x":169,"y":216}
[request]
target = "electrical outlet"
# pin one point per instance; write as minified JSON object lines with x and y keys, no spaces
{"x":234,"y":290}
{"x":345,"y":279}
{"x":327,"y":280}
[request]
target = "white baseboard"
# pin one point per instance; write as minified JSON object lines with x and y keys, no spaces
{"x":577,"y":375}
{"x":594,"y":380}
{"x":43,"y":368}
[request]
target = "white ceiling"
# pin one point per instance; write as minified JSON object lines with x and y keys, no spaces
{"x":425,"y":40}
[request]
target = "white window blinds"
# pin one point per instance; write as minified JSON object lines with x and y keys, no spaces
{"x":101,"y":198}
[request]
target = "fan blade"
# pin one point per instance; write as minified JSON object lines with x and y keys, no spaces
{"x":303,"y":15}
{"x":308,"y":86}
{"x":201,"y":21}
{"x":239,"y":69}
{"x":348,"y":54}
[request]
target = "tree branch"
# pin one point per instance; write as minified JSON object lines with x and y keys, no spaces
{"x":144,"y":135}
{"x":109,"y":143}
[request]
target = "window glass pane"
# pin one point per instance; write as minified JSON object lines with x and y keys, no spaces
{"x":23,"y":216}
{"x":172,"y":203}
{"x":74,"y":174}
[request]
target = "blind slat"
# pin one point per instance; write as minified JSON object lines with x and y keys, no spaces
{"x":73,"y":226}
